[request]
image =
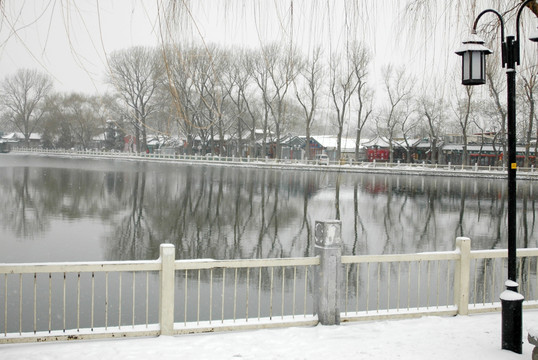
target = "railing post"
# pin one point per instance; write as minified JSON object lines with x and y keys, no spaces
{"x":462,"y":275}
{"x":328,"y":237}
{"x":166,"y":289}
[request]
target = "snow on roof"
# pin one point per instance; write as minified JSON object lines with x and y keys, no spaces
{"x":100,"y":137}
{"x":20,"y":136}
{"x":330,"y":142}
{"x":379,"y":141}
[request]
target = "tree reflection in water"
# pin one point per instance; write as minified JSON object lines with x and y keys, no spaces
{"x":227,"y":212}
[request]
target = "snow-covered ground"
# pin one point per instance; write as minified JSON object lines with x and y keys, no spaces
{"x":439,"y":338}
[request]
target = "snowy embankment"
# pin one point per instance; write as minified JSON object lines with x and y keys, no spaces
{"x":284,"y":164}
{"x":440,"y":338}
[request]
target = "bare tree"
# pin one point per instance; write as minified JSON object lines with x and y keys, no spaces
{"x":433,"y":106}
{"x":463,"y":111}
{"x":239,"y":82}
{"x":398,"y":87}
{"x":408,"y":124}
{"x":527,"y":90}
{"x":496,"y":87}
{"x":307,"y":89}
{"x":80,"y":113}
{"x":282,"y":67}
{"x":22,"y":96}
{"x":361,"y":62}
{"x":178,"y":64}
{"x":135,"y":74}
{"x":258,"y":69}
{"x":342,"y":84}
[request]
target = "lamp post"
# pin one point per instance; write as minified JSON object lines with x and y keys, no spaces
{"x":473,"y":54}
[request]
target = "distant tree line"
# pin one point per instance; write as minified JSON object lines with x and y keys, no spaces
{"x":214,"y":94}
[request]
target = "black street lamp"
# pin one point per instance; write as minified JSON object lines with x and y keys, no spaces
{"x":473,"y":54}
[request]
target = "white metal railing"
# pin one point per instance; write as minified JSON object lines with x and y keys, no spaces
{"x":488,"y":270}
{"x":442,"y":283}
{"x":342,"y":165}
{"x":399,"y":285}
{"x":243,"y":293}
{"x":62,"y":301}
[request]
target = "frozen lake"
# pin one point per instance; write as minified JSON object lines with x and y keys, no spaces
{"x":87,"y":210}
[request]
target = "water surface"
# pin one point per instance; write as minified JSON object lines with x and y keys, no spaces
{"x":57,"y":209}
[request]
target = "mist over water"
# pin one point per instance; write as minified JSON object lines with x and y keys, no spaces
{"x":87,"y":210}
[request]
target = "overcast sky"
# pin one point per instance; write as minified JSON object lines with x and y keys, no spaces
{"x":70,"y":39}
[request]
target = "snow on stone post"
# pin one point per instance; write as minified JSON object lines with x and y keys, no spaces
{"x":328,"y":238}
{"x":166,"y":289}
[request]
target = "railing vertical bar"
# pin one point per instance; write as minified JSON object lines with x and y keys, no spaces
{"x":119,"y":301}
{"x":474,"y":282}
{"x":198,"y":299}
{"x":305,"y":289}
{"x":282,"y":297}
{"x":528,"y":278}
{"x":235,"y":293}
{"x":428,"y":283}
{"x":357,"y":273}
{"x":418,"y":283}
{"x":147,"y":298}
{"x":484,"y":285}
{"x":247,"y":294}
{"x":520,"y":260}
{"x":223,"y":287}
{"x":378,"y":285}
{"x":448,"y":282}
{"x":438,"y":282}
{"x":210,"y":295}
{"x":368,"y":287}
{"x":35,"y":303}
{"x":106,"y":300}
{"x":347,"y":288}
{"x":399,"y":286}
{"x":271,"y":294}
{"x":502,"y":267}
{"x":64,"y":290}
{"x":5,"y":304}
{"x":294,"y":287}
{"x":388,"y":286}
{"x":493,"y":295}
{"x":536,"y":292}
{"x":92,"y":311}
{"x":408,"y":285}
{"x":50,"y":302}
{"x":186,"y":297}
{"x":78,"y":301}
{"x":536,"y":286}
{"x":20,"y":304}
{"x":259,"y":291}
{"x":134,"y":298}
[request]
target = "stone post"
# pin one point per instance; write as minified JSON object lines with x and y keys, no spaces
{"x":328,"y":238}
{"x":166,"y":293}
{"x":462,"y":275}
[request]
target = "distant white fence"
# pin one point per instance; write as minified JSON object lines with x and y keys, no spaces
{"x":348,"y":165}
{"x":66,"y":301}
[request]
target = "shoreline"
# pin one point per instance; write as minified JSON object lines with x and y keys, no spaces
{"x":298,"y":165}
